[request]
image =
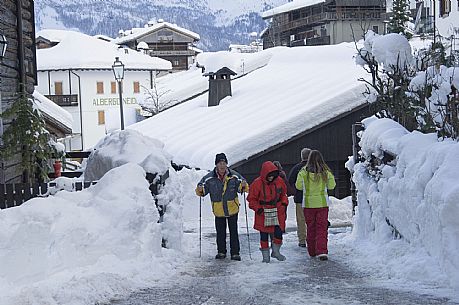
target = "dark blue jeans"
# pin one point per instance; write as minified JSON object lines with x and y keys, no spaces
{"x":220,"y":226}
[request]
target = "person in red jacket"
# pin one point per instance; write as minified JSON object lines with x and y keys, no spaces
{"x":268,"y":198}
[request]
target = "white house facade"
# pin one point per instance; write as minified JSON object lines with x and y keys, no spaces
{"x":447,"y":17}
{"x":76,"y":73}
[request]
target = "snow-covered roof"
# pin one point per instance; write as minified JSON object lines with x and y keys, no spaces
{"x":197,"y":50}
{"x":290,"y":6}
{"x":136,"y":33}
{"x":80,"y":51}
{"x":298,"y":89}
{"x":52,"y":110}
{"x":262,"y":33}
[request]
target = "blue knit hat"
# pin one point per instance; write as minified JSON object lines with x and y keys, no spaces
{"x":220,"y":157}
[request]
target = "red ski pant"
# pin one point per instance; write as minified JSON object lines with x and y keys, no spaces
{"x":317,"y":233}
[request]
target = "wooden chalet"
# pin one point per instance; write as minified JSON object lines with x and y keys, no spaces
{"x":332,"y":138}
{"x":322,"y":22}
{"x":17,"y":67}
{"x":164,"y":40}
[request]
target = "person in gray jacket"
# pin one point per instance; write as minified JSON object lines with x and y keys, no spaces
{"x":298,"y":197}
{"x":223,"y":184}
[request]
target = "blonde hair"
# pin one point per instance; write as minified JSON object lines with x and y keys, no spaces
{"x":317,"y":165}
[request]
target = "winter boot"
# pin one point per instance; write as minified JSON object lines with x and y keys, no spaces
{"x":323,"y":257}
{"x":276,"y":252}
{"x":265,"y":253}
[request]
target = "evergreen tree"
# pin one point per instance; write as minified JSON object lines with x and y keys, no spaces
{"x":26,"y":135}
{"x":400,"y":16}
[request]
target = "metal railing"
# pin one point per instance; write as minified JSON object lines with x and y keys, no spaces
{"x":64,"y":100}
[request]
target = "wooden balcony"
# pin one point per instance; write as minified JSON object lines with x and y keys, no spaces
{"x":318,"y":41}
{"x":172,"y":53}
{"x":64,"y":100}
{"x":330,"y":16}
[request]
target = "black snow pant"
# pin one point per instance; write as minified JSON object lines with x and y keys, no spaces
{"x":220,"y":226}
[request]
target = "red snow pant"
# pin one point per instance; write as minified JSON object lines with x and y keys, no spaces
{"x":317,"y":233}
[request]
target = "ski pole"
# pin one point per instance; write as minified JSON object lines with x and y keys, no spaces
{"x":247,"y":225}
{"x":200,"y":226}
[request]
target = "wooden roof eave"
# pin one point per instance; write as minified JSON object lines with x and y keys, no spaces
{"x":301,"y":134}
{"x":56,"y":124}
{"x":97,"y":69}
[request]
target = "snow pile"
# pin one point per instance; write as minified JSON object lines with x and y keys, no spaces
{"x":63,"y":184}
{"x":126,"y":146}
{"x":415,"y":197}
{"x":392,"y":51}
{"x":79,"y":248}
{"x":340,"y":211}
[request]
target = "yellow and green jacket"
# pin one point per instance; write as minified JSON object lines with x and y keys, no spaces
{"x":223,"y":194}
{"x":314,"y":190}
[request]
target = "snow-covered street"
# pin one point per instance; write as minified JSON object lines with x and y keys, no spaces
{"x":298,"y":280}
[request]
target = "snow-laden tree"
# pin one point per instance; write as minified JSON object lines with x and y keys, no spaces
{"x":389,"y":61}
{"x":419,"y":91}
{"x":400,"y":17}
{"x":27,"y":137}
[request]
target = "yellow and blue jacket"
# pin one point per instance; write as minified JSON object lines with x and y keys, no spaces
{"x":223,"y":194}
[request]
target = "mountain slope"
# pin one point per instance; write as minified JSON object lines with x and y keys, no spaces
{"x":218,"y":22}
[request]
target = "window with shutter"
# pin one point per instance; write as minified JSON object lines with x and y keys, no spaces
{"x":100,"y":88}
{"x":58,"y":88}
{"x":113,"y":87}
{"x":101,"y":115}
{"x":136,"y":87}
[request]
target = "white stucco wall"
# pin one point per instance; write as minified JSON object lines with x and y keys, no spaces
{"x":91,"y":102}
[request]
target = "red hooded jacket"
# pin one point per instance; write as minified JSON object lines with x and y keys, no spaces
{"x":261,"y":192}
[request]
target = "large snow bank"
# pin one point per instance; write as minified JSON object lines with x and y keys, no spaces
{"x":126,"y":146}
{"x":78,"y":248}
{"x":418,"y":195}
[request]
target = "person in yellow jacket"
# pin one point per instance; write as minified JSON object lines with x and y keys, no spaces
{"x":314,"y":179}
{"x":223,"y":184}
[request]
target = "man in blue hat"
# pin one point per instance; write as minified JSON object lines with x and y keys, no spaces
{"x":223,"y":183}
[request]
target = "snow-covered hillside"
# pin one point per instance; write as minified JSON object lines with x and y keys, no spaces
{"x":219,"y":22}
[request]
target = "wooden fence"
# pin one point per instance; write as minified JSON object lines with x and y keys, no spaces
{"x":13,"y":195}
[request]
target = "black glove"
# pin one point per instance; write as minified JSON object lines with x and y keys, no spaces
{"x":260,"y":211}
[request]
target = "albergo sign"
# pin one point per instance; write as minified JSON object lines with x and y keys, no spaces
{"x":113,"y":101}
